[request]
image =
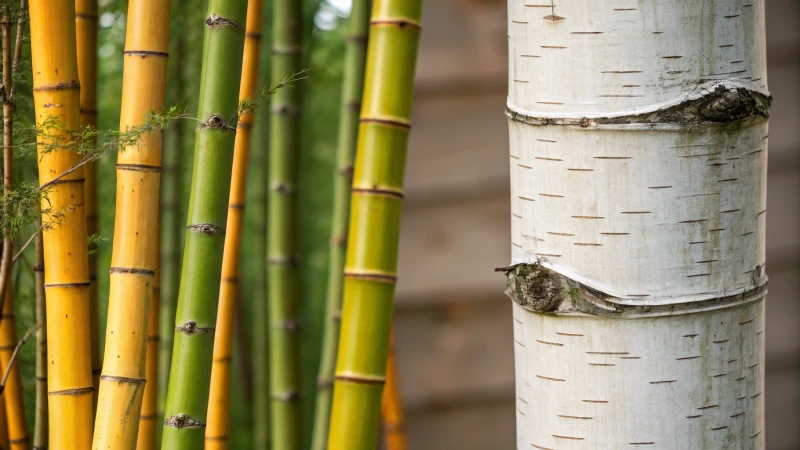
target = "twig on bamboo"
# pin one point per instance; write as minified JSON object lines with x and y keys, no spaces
{"x":14,"y":355}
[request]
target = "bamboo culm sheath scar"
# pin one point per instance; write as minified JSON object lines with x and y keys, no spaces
{"x":638,"y":201}
{"x":56,"y":97}
{"x":282,"y":241}
{"x":372,"y":244}
{"x":353,"y":84}
{"x":196,"y":315}
{"x":86,"y":35}
{"x":219,"y":395}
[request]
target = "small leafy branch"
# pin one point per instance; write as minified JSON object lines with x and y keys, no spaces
{"x":250,"y":105}
{"x":92,"y":144}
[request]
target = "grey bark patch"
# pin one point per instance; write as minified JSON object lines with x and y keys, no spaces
{"x":720,"y":104}
{"x":208,"y":229}
{"x":216,"y":21}
{"x":181,"y":420}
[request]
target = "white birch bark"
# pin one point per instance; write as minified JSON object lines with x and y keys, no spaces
{"x":638,"y":133}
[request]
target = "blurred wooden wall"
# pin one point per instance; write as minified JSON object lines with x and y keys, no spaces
{"x":453,"y":323}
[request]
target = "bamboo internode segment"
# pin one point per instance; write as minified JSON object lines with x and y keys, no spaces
{"x":638,"y":183}
{"x":86,"y":40}
{"x":355,"y":60}
{"x":195,"y":318}
{"x":394,"y":420}
{"x":56,"y":97}
{"x":136,"y":231}
{"x":282,"y":221}
{"x":219,"y":396}
{"x":13,"y":392}
{"x":371,"y":263}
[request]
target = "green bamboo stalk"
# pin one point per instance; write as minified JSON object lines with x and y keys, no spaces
{"x":371,"y":262}
{"x":171,"y":230}
{"x":196,"y":314}
{"x":282,"y":240}
{"x":258,"y":296}
{"x":40,"y":423}
{"x":353,"y":84}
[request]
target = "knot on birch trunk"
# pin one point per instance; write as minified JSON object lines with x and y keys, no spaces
{"x":726,"y":104}
{"x":182,"y":421}
{"x":534,"y":287}
{"x":215,"y":21}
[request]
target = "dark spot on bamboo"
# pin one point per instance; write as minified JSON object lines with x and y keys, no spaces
{"x":145,"y":53}
{"x":131,"y":270}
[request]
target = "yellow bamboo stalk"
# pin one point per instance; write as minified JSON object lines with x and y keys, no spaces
{"x":394,"y":420}
{"x":148,"y":419}
{"x":12,"y":393}
{"x":219,"y":395}
{"x":86,"y":35}
{"x":4,"y":444}
{"x":136,"y":231}
{"x":56,"y":95}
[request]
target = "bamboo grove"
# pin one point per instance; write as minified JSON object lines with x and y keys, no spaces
{"x":174,"y":172}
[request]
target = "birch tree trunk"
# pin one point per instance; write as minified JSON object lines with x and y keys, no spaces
{"x":638,"y":137}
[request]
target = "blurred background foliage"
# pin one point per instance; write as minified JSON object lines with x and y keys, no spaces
{"x":324,"y":30}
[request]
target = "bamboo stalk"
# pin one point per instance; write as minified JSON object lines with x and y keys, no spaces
{"x":282,"y":241}
{"x":219,"y":396}
{"x":353,"y":84}
{"x":86,"y":39}
{"x":394,"y":420}
{"x":136,"y":231}
{"x":4,"y":438}
{"x":8,"y":154}
{"x":371,"y":262}
{"x":148,"y":419}
{"x":56,"y":94}
{"x":260,"y":348}
{"x":171,"y":226}
{"x":40,"y":421}
{"x":195,"y":319}
{"x":12,"y":391}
